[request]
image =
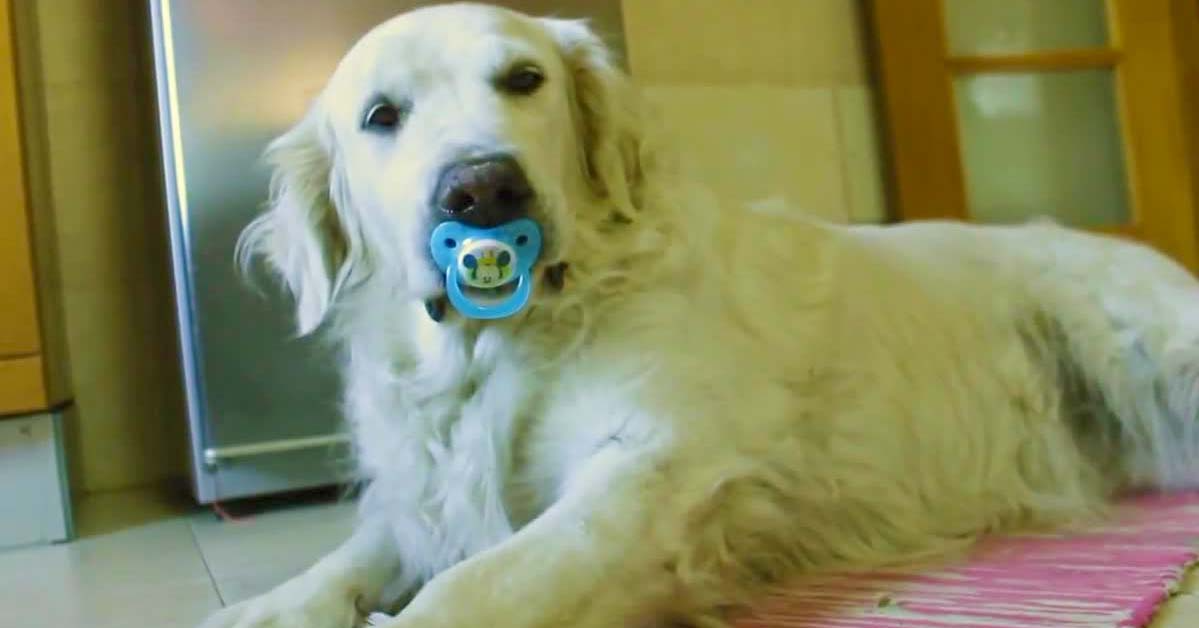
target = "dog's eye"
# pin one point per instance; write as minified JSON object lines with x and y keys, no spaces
{"x":382,"y":116}
{"x":522,"y":80}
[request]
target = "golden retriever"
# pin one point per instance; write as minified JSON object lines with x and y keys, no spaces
{"x":698,"y":400}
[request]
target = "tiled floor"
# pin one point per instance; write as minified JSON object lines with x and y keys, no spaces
{"x":148,"y":561}
{"x":145,"y":561}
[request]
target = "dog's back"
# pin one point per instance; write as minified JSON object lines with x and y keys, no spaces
{"x":1063,"y":328}
{"x":942,"y":381}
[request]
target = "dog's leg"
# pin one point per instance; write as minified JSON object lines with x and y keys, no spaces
{"x":600,"y":557}
{"x":333,"y":593}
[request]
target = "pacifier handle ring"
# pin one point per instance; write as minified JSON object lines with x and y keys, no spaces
{"x":506,"y":308}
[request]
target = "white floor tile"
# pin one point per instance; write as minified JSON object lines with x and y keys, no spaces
{"x":251,"y":556}
{"x":150,"y":575}
{"x":235,"y":589}
{"x":173,"y":605}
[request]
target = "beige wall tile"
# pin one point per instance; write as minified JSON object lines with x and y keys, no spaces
{"x":759,"y":144}
{"x":792,"y":42}
{"x":116,"y":301}
{"x":770,"y":99}
{"x":88,"y":40}
{"x":861,"y":153}
{"x":127,"y":428}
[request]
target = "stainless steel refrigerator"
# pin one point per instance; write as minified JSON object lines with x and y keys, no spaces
{"x":263,"y":405}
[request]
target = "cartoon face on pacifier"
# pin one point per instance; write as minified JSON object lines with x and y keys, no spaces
{"x":486,"y":265}
{"x":488,"y":271}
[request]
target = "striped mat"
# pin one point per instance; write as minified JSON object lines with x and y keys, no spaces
{"x":1108,"y":576}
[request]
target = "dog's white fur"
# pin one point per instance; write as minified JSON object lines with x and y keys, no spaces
{"x":716,"y":398}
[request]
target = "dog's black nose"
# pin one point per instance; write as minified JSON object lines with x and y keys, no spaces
{"x":483,"y":192}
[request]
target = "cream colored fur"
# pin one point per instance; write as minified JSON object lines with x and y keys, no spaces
{"x":717,"y":398}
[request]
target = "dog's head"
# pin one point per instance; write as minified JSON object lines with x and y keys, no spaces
{"x":463,"y":112}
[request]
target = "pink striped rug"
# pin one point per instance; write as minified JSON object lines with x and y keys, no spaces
{"x":1114,"y":575}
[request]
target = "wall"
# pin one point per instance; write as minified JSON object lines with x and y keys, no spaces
{"x":97,"y":142}
{"x":770,"y":99}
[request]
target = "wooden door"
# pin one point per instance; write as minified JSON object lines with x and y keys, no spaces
{"x":18,"y":313}
{"x":23,"y":374}
{"x":998,"y":112}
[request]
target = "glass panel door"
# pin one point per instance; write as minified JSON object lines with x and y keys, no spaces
{"x":1043,"y":142}
{"x":1034,"y":83}
{"x":997,"y":111}
{"x":982,"y":27}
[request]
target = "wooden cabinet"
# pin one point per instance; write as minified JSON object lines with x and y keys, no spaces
{"x":32,"y":367}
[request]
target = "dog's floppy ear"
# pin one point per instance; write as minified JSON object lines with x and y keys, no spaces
{"x":308,"y":234}
{"x":608,"y":113}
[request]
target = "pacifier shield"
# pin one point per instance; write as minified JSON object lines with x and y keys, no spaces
{"x":480,"y":264}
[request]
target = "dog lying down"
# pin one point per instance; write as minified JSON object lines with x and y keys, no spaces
{"x":654,"y":405}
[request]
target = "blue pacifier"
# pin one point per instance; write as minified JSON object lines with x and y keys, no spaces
{"x":481,"y":261}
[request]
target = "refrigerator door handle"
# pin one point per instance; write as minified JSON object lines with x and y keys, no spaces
{"x":214,"y":455}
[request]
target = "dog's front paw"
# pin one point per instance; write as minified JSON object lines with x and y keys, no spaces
{"x":292,"y":605}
